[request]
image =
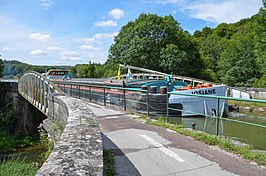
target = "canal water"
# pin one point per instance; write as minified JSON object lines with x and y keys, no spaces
{"x":247,"y":134}
{"x":29,"y":154}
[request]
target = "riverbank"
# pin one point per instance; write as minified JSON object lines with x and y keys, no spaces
{"x":23,"y":161}
{"x":20,"y":156}
{"x":249,"y":106}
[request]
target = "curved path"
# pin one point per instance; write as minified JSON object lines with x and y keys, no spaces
{"x":142,"y":149}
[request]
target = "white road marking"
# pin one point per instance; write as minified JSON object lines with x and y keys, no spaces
{"x":113,"y":117}
{"x":171,"y":131}
{"x":162,"y":148}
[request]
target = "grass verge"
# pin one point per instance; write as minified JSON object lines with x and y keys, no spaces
{"x":108,"y":163}
{"x":17,"y":167}
{"x":247,"y":104}
{"x":224,"y":143}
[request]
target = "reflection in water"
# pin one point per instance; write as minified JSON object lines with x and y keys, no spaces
{"x":252,"y":135}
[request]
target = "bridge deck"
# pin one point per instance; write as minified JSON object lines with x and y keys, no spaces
{"x":141,"y":149}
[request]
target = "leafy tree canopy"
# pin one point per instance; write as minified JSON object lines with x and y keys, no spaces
{"x":238,"y":65}
{"x":85,"y":70}
{"x":156,"y":42}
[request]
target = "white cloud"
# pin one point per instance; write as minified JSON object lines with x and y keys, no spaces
{"x":40,"y":37}
{"x":215,"y":11}
{"x":116,"y":13}
{"x":69,"y":54}
{"x":8,"y":49}
{"x":87,"y":40}
{"x":55,"y":48}
{"x":89,"y":47}
{"x":223,"y":11}
{"x":97,"y":38}
{"x":168,"y":1}
{"x":109,"y":23}
{"x":38,"y":53}
{"x":105,"y":35}
{"x":46,"y":4}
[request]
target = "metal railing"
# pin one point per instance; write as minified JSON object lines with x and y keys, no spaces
{"x":127,"y":98}
{"x":217,"y":117}
{"x":105,"y":95}
{"x":35,"y":88}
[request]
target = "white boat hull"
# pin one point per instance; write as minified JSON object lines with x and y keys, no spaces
{"x":194,"y":106}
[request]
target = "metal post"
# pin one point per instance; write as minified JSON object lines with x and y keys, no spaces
{"x":90,"y":93}
{"x":217,"y":117}
{"x":148,"y":109}
{"x":71,"y":93}
{"x":64,"y":87}
{"x":167,"y":107}
{"x":79,"y":91}
{"x":44,"y":94}
{"x":124,"y":99}
{"x":53,"y":106}
{"x":124,"y":96}
{"x":104,"y":98}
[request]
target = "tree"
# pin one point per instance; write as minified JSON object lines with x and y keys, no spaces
{"x":85,"y":70}
{"x":91,"y":71}
{"x":211,"y":49}
{"x":224,"y":30}
{"x":177,"y":61}
{"x":238,"y":66}
{"x":261,"y":38}
{"x":141,"y":42}
{"x":1,"y":68}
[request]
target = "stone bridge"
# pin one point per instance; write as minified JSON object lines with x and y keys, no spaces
{"x":70,"y":124}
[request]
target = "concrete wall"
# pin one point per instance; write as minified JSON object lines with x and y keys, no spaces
{"x":79,"y":147}
{"x":256,"y":93}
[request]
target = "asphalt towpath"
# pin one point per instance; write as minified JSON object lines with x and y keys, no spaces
{"x":142,"y":149}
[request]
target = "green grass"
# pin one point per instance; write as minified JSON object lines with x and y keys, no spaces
{"x":17,"y":167}
{"x":222,"y":142}
{"x":247,"y":104}
{"x":108,"y":163}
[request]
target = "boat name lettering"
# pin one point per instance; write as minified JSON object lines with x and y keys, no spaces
{"x":205,"y":92}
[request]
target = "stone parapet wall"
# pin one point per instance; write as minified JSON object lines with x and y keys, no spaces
{"x":79,"y":147}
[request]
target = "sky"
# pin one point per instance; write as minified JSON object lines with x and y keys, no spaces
{"x":70,"y":32}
